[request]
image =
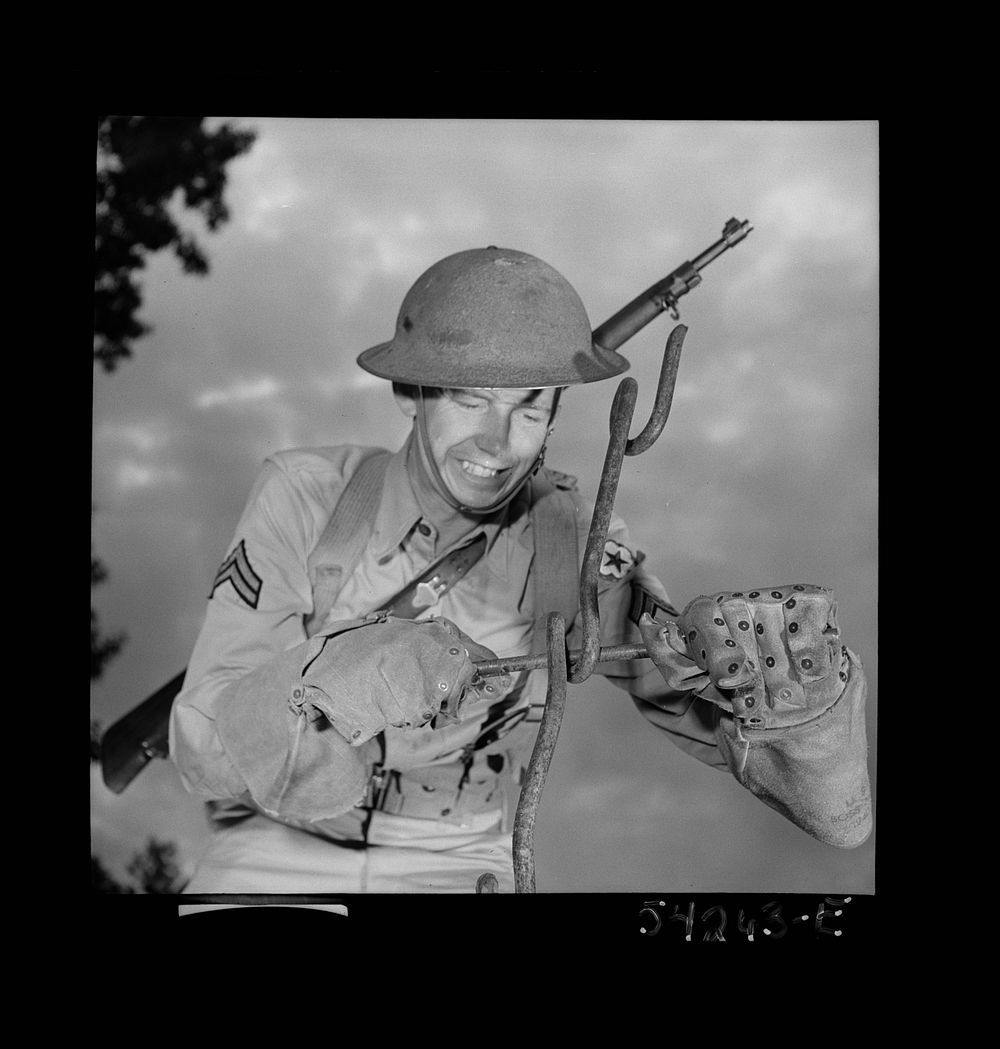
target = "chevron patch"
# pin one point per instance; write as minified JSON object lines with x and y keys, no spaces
{"x":238,"y":570}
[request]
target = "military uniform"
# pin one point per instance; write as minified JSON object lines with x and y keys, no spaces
{"x":255,"y":621}
{"x":317,"y":778}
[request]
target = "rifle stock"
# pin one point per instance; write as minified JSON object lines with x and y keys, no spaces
{"x":141,"y":735}
{"x":133,"y":741}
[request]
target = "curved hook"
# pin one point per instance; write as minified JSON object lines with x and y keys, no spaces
{"x":621,"y":418}
{"x":664,"y":394}
{"x":541,"y":756}
{"x":619,"y":446}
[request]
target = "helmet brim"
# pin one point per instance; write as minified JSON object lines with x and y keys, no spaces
{"x":455,"y":371}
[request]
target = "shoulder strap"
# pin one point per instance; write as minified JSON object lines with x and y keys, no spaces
{"x":346,"y":534}
{"x":556,"y":566}
{"x":555,"y":569}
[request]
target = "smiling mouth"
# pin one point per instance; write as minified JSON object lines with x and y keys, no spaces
{"x":475,"y":470}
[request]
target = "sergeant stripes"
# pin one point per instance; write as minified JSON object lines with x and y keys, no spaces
{"x":238,"y":570}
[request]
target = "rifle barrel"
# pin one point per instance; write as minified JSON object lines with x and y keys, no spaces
{"x":646,"y":307}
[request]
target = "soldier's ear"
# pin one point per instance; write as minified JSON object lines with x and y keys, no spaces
{"x":406,"y":398}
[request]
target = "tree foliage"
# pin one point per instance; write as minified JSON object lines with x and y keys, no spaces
{"x":153,"y":870}
{"x":146,"y":167}
{"x":102,"y":648}
{"x":143,"y":164}
{"x":102,"y":881}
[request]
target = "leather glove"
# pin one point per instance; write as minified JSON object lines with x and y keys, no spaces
{"x":383,"y":671}
{"x":295,"y":728}
{"x":791,"y":698}
{"x":771,"y":656}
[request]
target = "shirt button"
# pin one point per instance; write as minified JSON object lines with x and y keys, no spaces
{"x":424,"y":529}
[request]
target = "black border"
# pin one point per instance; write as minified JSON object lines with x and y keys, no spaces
{"x":877,"y":920}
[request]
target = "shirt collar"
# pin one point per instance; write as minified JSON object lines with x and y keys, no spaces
{"x":399,"y":513}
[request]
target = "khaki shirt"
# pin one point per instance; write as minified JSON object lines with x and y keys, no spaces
{"x":253,"y":643}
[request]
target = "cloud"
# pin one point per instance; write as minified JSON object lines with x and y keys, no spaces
{"x":337,"y":384}
{"x":725,"y":429}
{"x":814,"y":208}
{"x":242,"y":391}
{"x":264,"y":190}
{"x":130,"y":474}
{"x":373,"y":242}
{"x":141,"y":438}
{"x":125,"y":455}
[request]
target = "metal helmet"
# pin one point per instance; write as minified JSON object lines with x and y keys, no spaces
{"x":492,"y":318}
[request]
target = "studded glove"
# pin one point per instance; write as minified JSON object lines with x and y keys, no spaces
{"x":790,"y":696}
{"x":772,"y":657}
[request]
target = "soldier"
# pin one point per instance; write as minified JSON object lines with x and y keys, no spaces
{"x":332,"y":714}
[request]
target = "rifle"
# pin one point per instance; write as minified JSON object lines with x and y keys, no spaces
{"x":142,"y":734}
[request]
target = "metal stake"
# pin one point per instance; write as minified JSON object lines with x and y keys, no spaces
{"x":583,"y":660}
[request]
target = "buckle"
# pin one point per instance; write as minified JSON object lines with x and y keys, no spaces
{"x":378,"y":787}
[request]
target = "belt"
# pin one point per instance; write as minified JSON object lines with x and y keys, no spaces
{"x":446,"y":792}
{"x":480,"y":779}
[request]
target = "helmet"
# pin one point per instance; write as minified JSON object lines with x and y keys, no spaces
{"x":492,"y":318}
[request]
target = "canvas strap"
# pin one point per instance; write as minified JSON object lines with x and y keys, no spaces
{"x":554,"y":570}
{"x":346,"y":534}
{"x":556,"y":566}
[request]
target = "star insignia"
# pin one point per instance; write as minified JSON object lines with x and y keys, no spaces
{"x":617,"y":559}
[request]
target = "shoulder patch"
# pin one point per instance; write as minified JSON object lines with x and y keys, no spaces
{"x":238,"y":570}
{"x":617,"y":560}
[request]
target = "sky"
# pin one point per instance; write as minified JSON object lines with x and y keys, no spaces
{"x":766,"y":473}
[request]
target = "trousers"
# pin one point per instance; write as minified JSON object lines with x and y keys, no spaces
{"x":260,"y":855}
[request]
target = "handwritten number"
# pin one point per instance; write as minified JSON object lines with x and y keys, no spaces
{"x":715,"y":934}
{"x":687,"y":918}
{"x":772,"y":913}
{"x":648,"y":907}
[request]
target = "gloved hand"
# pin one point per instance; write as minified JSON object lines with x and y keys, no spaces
{"x":383,"y":671}
{"x":771,"y":656}
{"x":791,"y":700}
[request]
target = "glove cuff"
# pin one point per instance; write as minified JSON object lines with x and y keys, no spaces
{"x":815,"y":773}
{"x":293,"y":766}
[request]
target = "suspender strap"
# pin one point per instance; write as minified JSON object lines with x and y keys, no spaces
{"x":346,"y":534}
{"x":556,"y":567}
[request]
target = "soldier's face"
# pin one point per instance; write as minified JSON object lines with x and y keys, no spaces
{"x":485,"y":441}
